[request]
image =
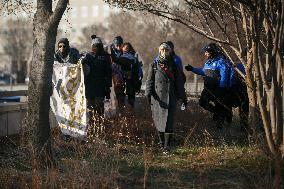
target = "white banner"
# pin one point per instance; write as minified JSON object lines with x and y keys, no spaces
{"x":68,"y":100}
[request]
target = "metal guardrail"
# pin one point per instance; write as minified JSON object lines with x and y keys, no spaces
{"x":16,"y":87}
{"x":13,"y":93}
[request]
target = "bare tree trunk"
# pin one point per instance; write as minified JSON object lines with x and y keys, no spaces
{"x":251,"y":89}
{"x":45,"y":30}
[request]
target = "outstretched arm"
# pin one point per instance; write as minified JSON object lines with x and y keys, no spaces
{"x":198,"y":71}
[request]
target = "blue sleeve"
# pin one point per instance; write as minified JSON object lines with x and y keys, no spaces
{"x":241,"y":67}
{"x":178,"y":62}
{"x":198,"y":71}
{"x":140,"y":72}
{"x":223,"y":74}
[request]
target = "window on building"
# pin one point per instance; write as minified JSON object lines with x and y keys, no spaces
{"x":106,"y":10}
{"x":84,"y":25}
{"x":95,"y":11}
{"x":74,"y":12}
{"x":84,"y":11}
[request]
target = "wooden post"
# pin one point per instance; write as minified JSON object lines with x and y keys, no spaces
{"x":195,"y":85}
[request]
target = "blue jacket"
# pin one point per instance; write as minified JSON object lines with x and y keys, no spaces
{"x":215,"y":71}
{"x":233,"y":73}
{"x":129,"y":63}
{"x":178,"y":62}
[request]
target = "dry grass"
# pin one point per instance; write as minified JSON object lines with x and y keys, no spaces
{"x":125,"y":155}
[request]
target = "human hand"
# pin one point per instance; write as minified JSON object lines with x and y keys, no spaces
{"x":188,"y":67}
{"x":184,"y":105}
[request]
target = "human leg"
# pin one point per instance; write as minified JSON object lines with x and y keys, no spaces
{"x":120,"y":95}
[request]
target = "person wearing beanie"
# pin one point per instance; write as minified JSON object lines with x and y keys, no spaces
{"x":98,"y":79}
{"x":66,"y":54}
{"x":116,"y":48}
{"x":118,"y":78}
{"x":164,"y":86}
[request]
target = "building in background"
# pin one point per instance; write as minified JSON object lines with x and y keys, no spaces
{"x":82,"y":13}
{"x":5,"y":62}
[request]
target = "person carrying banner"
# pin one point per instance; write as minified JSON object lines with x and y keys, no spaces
{"x":66,"y":54}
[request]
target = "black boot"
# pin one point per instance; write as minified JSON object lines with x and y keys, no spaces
{"x":167,"y":137}
{"x":161,"y":139}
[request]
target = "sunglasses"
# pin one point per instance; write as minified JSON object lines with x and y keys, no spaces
{"x":62,"y":46}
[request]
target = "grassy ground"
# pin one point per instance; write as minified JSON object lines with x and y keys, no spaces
{"x":125,"y":155}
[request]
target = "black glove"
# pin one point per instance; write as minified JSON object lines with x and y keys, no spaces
{"x":107,"y":93}
{"x":188,"y":67}
{"x":185,"y":102}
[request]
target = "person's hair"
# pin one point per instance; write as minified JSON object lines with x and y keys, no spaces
{"x":131,"y":49}
{"x":171,"y":44}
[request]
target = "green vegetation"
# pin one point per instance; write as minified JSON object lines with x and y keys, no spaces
{"x":127,"y":157}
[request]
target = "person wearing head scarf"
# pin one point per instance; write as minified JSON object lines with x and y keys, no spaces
{"x":66,"y":54}
{"x":164,"y":86}
{"x":216,"y":79}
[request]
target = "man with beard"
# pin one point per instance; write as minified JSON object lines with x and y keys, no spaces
{"x":66,"y":54}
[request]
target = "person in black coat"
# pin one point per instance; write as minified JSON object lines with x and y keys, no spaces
{"x":98,"y":75}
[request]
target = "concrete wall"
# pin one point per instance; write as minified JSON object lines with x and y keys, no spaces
{"x":12,"y":116}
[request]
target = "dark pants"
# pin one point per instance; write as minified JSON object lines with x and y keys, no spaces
{"x":96,"y":115}
{"x":96,"y":104}
{"x":212,"y":99}
{"x":239,"y":98}
{"x":121,"y":92}
{"x":130,"y":91}
{"x":120,"y":95}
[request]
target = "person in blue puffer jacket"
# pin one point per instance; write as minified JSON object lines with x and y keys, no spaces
{"x":131,"y":70}
{"x":216,"y":77}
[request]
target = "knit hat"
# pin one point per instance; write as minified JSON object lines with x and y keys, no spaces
{"x":96,"y":42}
{"x":118,"y":40}
{"x":64,"y":41}
{"x":212,"y":48}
